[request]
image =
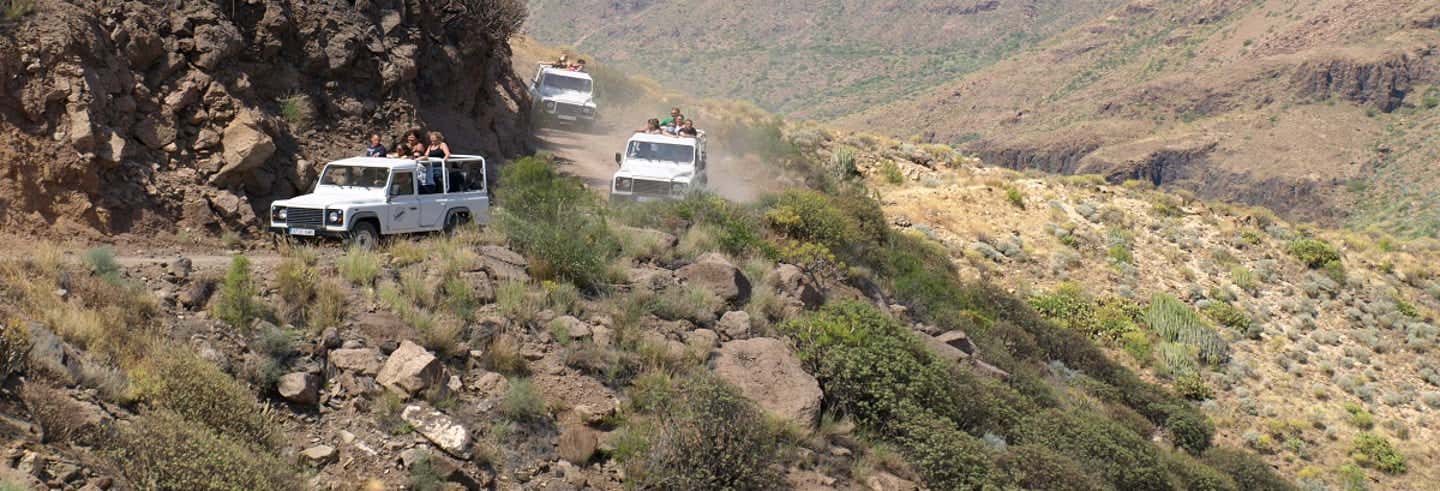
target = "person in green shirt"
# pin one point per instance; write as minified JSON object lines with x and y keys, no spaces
{"x":674,"y":121}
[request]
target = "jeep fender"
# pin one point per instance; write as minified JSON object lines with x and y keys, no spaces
{"x":367,"y":215}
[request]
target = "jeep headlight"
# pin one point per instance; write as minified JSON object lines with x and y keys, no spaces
{"x":624,"y":184}
{"x":677,"y":188}
{"x":589,"y":111}
{"x":279,"y":214}
{"x":549,"y":106}
{"x":335,"y":217}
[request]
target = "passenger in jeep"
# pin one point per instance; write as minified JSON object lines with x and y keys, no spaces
{"x":674,"y":120}
{"x":688,"y":130}
{"x":579,"y":66}
{"x":412,"y":148}
{"x":375,"y":148}
{"x":652,"y":127}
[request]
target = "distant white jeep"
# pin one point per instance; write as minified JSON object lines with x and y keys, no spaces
{"x":657,"y":167}
{"x":563,"y":96}
{"x":362,"y":199}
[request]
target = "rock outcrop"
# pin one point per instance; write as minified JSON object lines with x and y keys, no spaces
{"x":767,"y":372}
{"x":127,"y":116}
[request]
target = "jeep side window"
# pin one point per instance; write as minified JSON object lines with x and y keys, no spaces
{"x":433,"y":181}
{"x":402,"y":184}
{"x":466,"y":177}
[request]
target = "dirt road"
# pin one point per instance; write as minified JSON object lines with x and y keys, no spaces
{"x":590,"y":155}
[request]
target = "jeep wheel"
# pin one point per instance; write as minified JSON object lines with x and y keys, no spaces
{"x":454,"y":221}
{"x":364,"y":236}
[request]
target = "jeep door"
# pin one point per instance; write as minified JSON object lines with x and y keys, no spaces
{"x":403,"y":212}
{"x":466,"y":189}
{"x":433,"y":199}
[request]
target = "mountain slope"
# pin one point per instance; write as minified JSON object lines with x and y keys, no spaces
{"x":1299,"y":105}
{"x":806,"y":58}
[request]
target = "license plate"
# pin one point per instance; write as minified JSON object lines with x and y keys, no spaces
{"x":647,"y":199}
{"x":304,"y":232}
{"x":566,"y":118}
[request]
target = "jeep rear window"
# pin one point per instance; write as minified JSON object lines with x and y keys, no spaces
{"x":663,"y":152}
{"x":351,"y":175}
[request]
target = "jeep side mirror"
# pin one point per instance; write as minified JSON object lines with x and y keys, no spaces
{"x":617,"y":158}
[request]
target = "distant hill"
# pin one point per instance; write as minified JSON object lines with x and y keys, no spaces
{"x":808,"y":58}
{"x":1321,"y":109}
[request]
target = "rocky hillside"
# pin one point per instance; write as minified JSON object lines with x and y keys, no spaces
{"x":806,"y":58}
{"x":1311,"y":347}
{"x":127,"y":116}
{"x":1320,"y":109}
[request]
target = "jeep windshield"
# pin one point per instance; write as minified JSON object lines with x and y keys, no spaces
{"x":354,"y":176}
{"x":556,"y":84}
{"x":663,"y":152}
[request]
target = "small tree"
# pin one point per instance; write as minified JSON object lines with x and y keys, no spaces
{"x":237,"y":305}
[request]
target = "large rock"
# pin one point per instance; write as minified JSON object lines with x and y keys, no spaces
{"x":246,"y":144}
{"x":410,"y":369}
{"x":792,"y":282}
{"x":503,"y":264}
{"x":735,"y":324}
{"x":767,"y":372}
{"x":365,"y":361}
{"x":943,"y":350}
{"x":435,"y":426}
{"x":885,"y":481}
{"x":959,"y":340}
{"x":715,"y":274}
{"x":299,"y":388}
{"x":577,"y":444}
{"x":319,"y":455}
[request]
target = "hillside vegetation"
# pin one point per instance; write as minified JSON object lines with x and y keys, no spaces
{"x":805,"y":58}
{"x":1320,"y":109}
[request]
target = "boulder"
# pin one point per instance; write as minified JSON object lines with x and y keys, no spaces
{"x":299,"y":388}
{"x":492,"y":384}
{"x":319,"y":455}
{"x":767,"y":372}
{"x":944,"y":351}
{"x":246,"y":145}
{"x":734,"y":325}
{"x":702,"y":341}
{"x":450,"y":436}
{"x":503,"y":264}
{"x":365,"y":361}
{"x":885,"y":481}
{"x":792,"y":282}
{"x":715,"y":274}
{"x":577,"y":444}
{"x":571,"y":327}
{"x":410,"y":369}
{"x":959,"y":340}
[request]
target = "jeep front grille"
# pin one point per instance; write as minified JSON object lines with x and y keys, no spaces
{"x":652,"y":188}
{"x":564,"y":109}
{"x":305,"y":217}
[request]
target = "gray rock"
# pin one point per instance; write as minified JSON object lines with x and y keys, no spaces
{"x":319,"y":455}
{"x":715,"y":274}
{"x":792,"y":282}
{"x":365,"y":361}
{"x":734,"y":325}
{"x":439,"y":429}
{"x":767,"y":372}
{"x":299,"y":388}
{"x":247,"y":146}
{"x":410,"y":369}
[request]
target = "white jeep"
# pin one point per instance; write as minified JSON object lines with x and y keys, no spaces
{"x":564,"y":96}
{"x":361,"y":199}
{"x":656,"y":167}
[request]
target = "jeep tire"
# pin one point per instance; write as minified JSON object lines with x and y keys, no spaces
{"x":454,"y":220}
{"x":363,"y":235}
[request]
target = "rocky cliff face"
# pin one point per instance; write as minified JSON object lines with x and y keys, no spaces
{"x":127,"y":116}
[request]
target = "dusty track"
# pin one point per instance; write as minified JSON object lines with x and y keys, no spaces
{"x":590,"y":155}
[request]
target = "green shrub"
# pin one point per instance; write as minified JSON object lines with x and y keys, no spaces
{"x":1138,"y":345}
{"x":1230,"y":316}
{"x":809,"y":216}
{"x":1360,"y":417}
{"x":891,"y":172}
{"x":1373,"y":450}
{"x":298,"y":111}
{"x":177,"y":380}
{"x":1246,"y":469}
{"x":523,"y":403}
{"x":15,"y":9}
{"x":1193,"y":387}
{"x":1190,"y":431}
{"x":1113,"y":451}
{"x":236,"y":304}
{"x":1174,"y":321}
{"x":1353,"y":478}
{"x":704,"y":435}
{"x":161,"y":449}
{"x":1189,"y":473}
{"x":947,"y":457}
{"x":556,"y":223}
{"x":1314,"y":253}
{"x":101,"y":261}
{"x":359,"y":266}
{"x":1015,"y":197}
{"x":1039,"y":468}
{"x":1244,"y":278}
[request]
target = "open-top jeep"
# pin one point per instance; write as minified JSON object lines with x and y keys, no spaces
{"x":563,"y":96}
{"x":656,"y":167}
{"x":363,"y":198}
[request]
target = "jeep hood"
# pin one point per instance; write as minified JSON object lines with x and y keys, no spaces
{"x":653,"y":170}
{"x":333,"y":199}
{"x":568,"y":97}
